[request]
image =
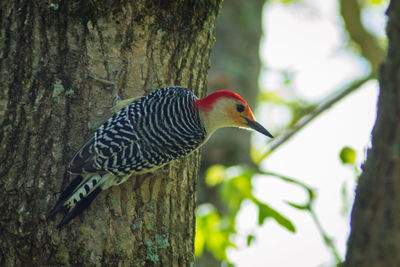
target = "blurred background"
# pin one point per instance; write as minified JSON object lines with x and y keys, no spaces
{"x":308,"y":69}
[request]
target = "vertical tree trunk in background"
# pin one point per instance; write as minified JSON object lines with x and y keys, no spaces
{"x":375,"y":221}
{"x":235,"y":66}
{"x":49,"y":106}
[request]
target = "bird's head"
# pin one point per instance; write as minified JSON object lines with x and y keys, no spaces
{"x":225,"y":108}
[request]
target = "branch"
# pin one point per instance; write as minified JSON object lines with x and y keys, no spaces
{"x":367,"y":42}
{"x":309,"y":208}
{"x":315,"y":113}
{"x":288,"y":180}
{"x":328,"y":241}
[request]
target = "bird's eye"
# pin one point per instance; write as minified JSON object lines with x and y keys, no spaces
{"x":240,"y":108}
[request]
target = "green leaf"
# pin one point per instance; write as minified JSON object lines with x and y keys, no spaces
{"x":270,"y":96}
{"x":299,"y":207}
{"x":348,"y":155}
{"x":250,"y":239}
{"x":211,"y":233}
{"x":243,"y":185}
{"x":374,"y":2}
{"x":199,"y":240}
{"x":287,"y":77}
{"x":215,"y":175}
{"x":265,"y":211}
{"x":236,"y":189}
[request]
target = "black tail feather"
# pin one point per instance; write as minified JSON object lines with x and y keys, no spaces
{"x":79,"y":208}
{"x":64,"y":196}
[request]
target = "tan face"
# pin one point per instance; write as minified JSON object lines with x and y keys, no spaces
{"x":242,"y":116}
{"x":239,"y":112}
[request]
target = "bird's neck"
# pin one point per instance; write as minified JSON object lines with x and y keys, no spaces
{"x":212,"y":114}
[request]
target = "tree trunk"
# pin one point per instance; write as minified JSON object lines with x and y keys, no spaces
{"x":375,"y":225}
{"x":49,"y":106}
{"x":236,"y":65}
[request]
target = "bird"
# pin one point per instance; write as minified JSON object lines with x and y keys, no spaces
{"x":144,"y":134}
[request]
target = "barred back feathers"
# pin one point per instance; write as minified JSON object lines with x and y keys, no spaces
{"x":148,"y":133}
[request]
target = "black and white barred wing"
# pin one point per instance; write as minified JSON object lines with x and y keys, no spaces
{"x":83,"y":156}
{"x":148,"y":133}
{"x":113,"y":137}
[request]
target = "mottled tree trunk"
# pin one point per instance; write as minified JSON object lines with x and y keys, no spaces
{"x":375,"y":222}
{"x":49,"y":106}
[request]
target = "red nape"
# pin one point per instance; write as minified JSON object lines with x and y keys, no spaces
{"x":208,"y":102}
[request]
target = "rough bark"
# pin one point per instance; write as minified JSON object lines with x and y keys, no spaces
{"x":375,"y":221}
{"x":49,"y":106}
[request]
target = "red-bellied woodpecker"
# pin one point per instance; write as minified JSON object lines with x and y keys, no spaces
{"x":149,"y":132}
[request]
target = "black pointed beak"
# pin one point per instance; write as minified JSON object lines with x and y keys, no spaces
{"x":258,"y":127}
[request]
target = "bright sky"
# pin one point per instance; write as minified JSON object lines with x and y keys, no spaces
{"x":307,"y":39}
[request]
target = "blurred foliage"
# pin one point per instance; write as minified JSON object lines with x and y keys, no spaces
{"x":298,"y":107}
{"x":348,"y":155}
{"x":374,"y":2}
{"x":215,"y":230}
